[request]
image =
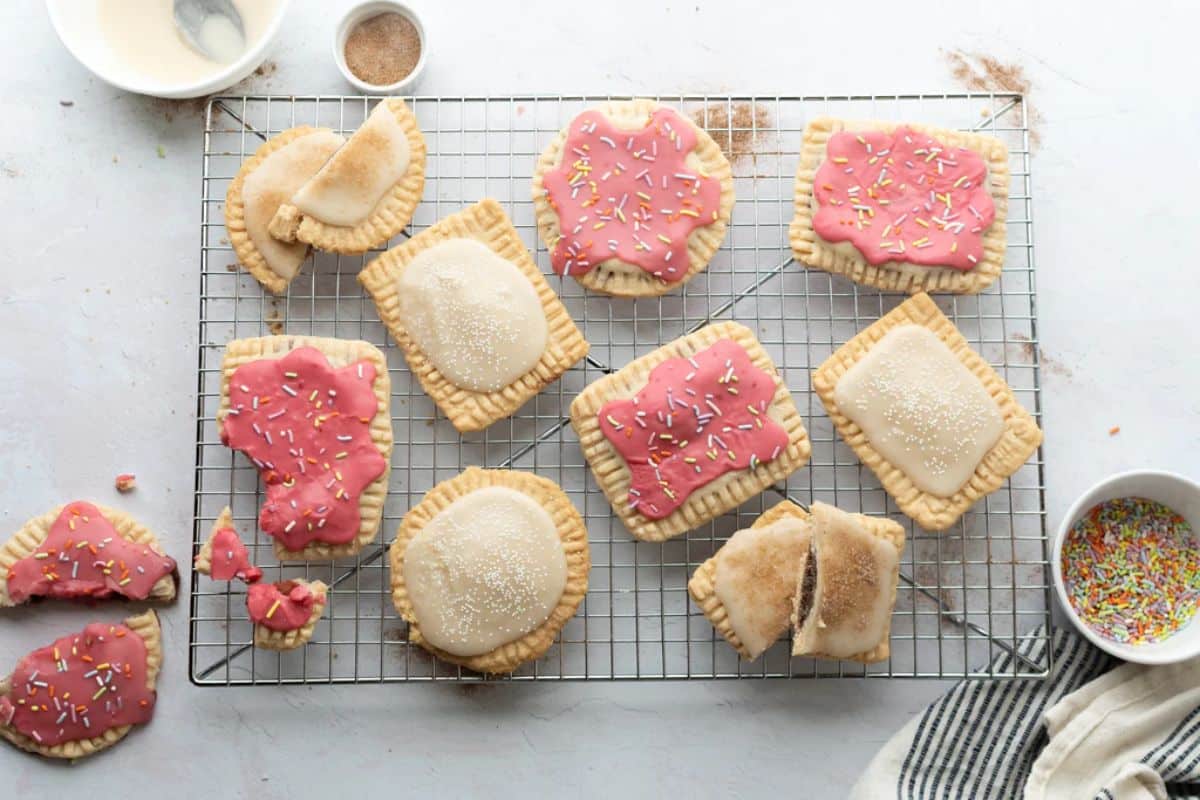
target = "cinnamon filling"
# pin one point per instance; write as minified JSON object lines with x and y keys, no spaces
{"x":808,"y":587}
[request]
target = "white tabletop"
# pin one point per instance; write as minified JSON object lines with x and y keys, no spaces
{"x":98,"y":315}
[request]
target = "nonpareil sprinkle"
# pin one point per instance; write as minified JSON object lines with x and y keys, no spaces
{"x":383,"y":49}
{"x":1132,"y":570}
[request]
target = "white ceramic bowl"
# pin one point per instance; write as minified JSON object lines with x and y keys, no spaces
{"x":1170,"y":489}
{"x":364,"y":11}
{"x":75,"y":23}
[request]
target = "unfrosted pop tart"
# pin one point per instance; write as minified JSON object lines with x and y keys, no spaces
{"x":84,"y":692}
{"x":279,"y":167}
{"x":223,"y":556}
{"x":81,"y":551}
{"x":477,"y":321}
{"x":690,"y":431}
{"x":488,"y":568}
{"x":901,"y":207}
{"x":313,"y":416}
{"x":746,"y":589}
{"x":366,"y":192}
{"x":845,"y":589}
{"x":926,"y":413}
{"x":285,"y":613}
{"x":632,"y":198}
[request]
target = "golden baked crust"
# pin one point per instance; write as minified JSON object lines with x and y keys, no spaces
{"x":881,"y":528}
{"x":1020,"y":439}
{"x":144,"y":625}
{"x":571,"y":530}
{"x":702,"y":586}
{"x":340,"y":353}
{"x":470,"y":410}
{"x":614,"y":276}
{"x":29,"y":538}
{"x":268,"y":639}
{"x":715,"y":498}
{"x":390,"y":215}
{"x":203,"y":560}
{"x":235,"y":211}
{"x":898,"y":276}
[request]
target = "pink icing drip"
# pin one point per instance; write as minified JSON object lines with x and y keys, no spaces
{"x":671,"y":431}
{"x":283,"y":606}
{"x":875,"y":189}
{"x":637,"y":187}
{"x":306,"y":426}
{"x":58,"y":696}
{"x":85,"y":557}
{"x":231,"y":559}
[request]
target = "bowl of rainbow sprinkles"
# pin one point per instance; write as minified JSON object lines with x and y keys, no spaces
{"x":1126,"y":565}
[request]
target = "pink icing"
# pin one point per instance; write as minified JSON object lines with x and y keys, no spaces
{"x":630,"y":196}
{"x":306,"y":426}
{"x":85,"y":557}
{"x":80,"y":686}
{"x":283,"y":606}
{"x":696,"y":419}
{"x":905,"y":197}
{"x":231,"y":559}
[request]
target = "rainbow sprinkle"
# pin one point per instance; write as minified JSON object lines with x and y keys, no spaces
{"x":1132,"y":570}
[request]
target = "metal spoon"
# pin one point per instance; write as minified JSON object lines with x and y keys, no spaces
{"x":190,"y":16}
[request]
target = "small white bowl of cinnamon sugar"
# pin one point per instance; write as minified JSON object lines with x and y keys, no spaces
{"x":380,"y":47}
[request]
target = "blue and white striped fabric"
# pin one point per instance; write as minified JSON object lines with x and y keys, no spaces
{"x":1029,"y":738}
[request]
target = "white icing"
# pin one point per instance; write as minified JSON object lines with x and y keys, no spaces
{"x":485,"y":571}
{"x":474,"y":314}
{"x":855,"y":586}
{"x":755,"y":580}
{"x":921,"y":408}
{"x":275,"y":180}
{"x":350,"y":185}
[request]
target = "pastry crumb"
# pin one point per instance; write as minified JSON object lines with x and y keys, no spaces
{"x":1114,"y":430}
{"x":125,"y":482}
{"x":66,"y":103}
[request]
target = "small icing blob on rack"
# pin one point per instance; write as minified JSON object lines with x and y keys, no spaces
{"x":283,"y":606}
{"x":84,"y":556}
{"x":231,"y":559}
{"x":80,"y":686}
{"x":629,"y":195}
{"x":696,"y":419}
{"x":904,"y":197}
{"x":306,"y":426}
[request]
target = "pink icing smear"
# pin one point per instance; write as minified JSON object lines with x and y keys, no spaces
{"x":80,"y":686}
{"x":629,"y":196}
{"x":696,"y":419}
{"x":84,"y":557}
{"x":905,"y":197}
{"x":306,"y":426}
{"x":283,"y":606}
{"x":231,"y":559}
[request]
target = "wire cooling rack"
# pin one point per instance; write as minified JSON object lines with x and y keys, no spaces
{"x":966,"y":594}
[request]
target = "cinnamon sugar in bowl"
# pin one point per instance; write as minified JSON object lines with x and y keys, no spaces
{"x":380,"y":47}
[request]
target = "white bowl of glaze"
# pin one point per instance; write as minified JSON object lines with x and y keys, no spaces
{"x":1172,"y":490}
{"x":76,"y":25}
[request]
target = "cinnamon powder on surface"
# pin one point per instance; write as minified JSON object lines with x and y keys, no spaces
{"x":383,"y":49}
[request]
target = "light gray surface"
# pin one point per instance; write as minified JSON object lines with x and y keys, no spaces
{"x":97,"y":371}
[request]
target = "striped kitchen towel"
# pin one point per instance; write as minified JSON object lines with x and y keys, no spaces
{"x":1090,"y":730}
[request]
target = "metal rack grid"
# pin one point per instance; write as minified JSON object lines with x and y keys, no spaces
{"x":966,"y":594}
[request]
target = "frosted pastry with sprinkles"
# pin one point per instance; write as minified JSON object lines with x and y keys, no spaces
{"x":477,"y":321}
{"x":921,"y":409}
{"x":84,"y":692}
{"x":690,"y":431}
{"x":81,"y":551}
{"x":285,"y":613}
{"x":223,"y":556}
{"x":489,"y":567}
{"x":313,"y":416}
{"x":632,"y":198}
{"x":901,"y":207}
